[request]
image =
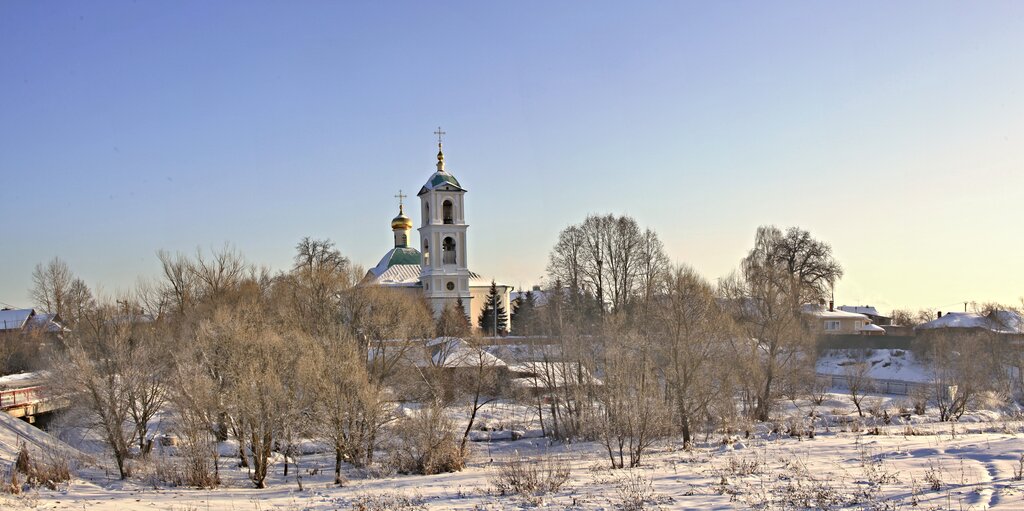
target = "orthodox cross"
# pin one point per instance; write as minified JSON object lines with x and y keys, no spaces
{"x":400,"y":196}
{"x":439,"y":134}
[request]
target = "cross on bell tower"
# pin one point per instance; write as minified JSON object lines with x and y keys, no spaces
{"x":440,"y":154}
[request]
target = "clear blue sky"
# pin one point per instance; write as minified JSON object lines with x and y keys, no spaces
{"x":892,"y":130}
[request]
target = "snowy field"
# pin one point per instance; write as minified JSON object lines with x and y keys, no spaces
{"x":850,"y":463}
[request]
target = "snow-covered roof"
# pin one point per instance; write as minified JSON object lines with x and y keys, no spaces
{"x":47,"y":323}
{"x":23,"y":379}
{"x":956,"y":320}
{"x":408,"y":275}
{"x":447,"y":352}
{"x":821,"y":312}
{"x":453,"y":352}
{"x":15,"y":319}
{"x":1007,"y":321}
{"x":20,"y":319}
{"x":396,"y":275}
{"x":552,"y":374}
{"x":1002,"y":322}
{"x":872,"y":328}
{"x":515,"y":353}
{"x":476,"y":280}
{"x":861,"y":309}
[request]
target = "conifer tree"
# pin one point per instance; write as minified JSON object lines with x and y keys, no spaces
{"x":453,"y":321}
{"x":462,"y":309}
{"x":492,"y":304}
{"x":524,"y":314}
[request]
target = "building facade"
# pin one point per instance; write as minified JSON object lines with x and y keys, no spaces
{"x":439,"y":269}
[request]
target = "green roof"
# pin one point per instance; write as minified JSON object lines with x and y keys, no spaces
{"x":404,"y":256}
{"x":440,"y":178}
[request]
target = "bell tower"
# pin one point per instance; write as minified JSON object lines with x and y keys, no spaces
{"x":444,"y":269}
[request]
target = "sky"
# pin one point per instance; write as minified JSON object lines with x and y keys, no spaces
{"x":894,"y":131}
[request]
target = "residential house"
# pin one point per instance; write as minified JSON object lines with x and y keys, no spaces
{"x":828,"y":321}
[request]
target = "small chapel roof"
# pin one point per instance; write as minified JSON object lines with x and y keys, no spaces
{"x":397,"y":255}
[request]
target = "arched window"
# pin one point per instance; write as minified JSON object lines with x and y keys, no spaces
{"x":426,"y":253}
{"x":448,"y":251}
{"x":446,"y":210}
{"x":426,"y":213}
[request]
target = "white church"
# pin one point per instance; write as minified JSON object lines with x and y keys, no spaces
{"x":441,"y":271}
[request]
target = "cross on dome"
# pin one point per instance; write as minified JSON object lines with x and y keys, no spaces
{"x":400,"y":198}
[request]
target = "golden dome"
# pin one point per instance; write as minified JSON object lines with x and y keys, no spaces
{"x":401,"y":221}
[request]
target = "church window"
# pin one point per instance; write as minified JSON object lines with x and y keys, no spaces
{"x":448,"y":251}
{"x":451,"y":286}
{"x":426,"y":213}
{"x":426,"y":253}
{"x":446,"y":210}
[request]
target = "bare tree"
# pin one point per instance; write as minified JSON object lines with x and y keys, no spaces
{"x":858,"y":383}
{"x":196,"y":403}
{"x":632,"y":415}
{"x":963,"y":365}
{"x":692,"y":341}
{"x":781,"y":273}
{"x":57,"y":291}
{"x":387,"y":323}
{"x":98,"y":372}
{"x":180,"y":287}
{"x":351,"y":410}
{"x":319,"y":277}
{"x":477,"y":378}
{"x":609,"y":260}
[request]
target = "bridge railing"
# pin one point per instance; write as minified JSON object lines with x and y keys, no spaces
{"x":12,"y":398}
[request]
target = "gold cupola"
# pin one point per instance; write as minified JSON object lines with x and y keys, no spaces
{"x":401,"y":222}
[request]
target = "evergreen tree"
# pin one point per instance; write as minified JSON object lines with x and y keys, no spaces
{"x":524,"y":314}
{"x":453,"y":321}
{"x":492,"y":304}
{"x":465,"y":316}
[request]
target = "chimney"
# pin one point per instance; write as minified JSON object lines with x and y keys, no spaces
{"x":940,"y":314}
{"x":831,"y":307}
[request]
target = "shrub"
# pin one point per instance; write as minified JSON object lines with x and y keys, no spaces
{"x":50,"y":472}
{"x":388,"y":502}
{"x":11,"y":483}
{"x":528,"y":477}
{"x":426,"y":444}
{"x":933,"y":476}
{"x":634,"y":492}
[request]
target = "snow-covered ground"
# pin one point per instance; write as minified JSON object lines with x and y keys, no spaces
{"x":914,"y":463}
{"x":885,"y":364}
